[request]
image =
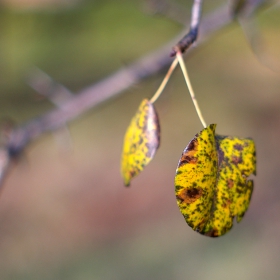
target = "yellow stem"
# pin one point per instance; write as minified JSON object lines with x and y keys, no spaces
{"x":165,"y":80}
{"x":186,"y":76}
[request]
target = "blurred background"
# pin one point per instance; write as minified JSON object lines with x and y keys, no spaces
{"x":64,"y":211}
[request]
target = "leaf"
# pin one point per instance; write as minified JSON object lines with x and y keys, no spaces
{"x":211,"y":183}
{"x":141,"y":141}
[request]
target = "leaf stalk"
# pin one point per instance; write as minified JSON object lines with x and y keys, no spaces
{"x":165,"y":81}
{"x":188,"y":82}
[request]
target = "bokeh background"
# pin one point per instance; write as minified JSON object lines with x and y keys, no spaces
{"x":64,"y":212}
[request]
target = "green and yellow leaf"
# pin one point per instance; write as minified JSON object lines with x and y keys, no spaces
{"x":211,"y":182}
{"x":141,"y":141}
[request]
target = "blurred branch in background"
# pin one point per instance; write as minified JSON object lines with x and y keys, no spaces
{"x":244,"y":14}
{"x":42,"y":4}
{"x":174,"y":11}
{"x":103,"y":90}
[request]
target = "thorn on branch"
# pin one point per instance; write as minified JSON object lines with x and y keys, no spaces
{"x":48,"y":87}
{"x":57,"y":94}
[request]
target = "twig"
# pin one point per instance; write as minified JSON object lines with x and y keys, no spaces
{"x":110,"y":87}
{"x":190,"y":38}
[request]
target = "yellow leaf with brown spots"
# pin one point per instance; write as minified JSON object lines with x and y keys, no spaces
{"x":141,"y":141}
{"x":211,"y":182}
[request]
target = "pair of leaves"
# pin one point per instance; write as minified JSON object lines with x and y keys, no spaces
{"x":211,"y":183}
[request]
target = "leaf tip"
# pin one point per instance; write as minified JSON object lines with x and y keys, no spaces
{"x":127,"y":182}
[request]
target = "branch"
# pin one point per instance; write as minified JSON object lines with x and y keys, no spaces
{"x":190,"y":38}
{"x":107,"y":88}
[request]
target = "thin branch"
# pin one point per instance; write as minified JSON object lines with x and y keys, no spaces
{"x":191,"y":37}
{"x":107,"y":88}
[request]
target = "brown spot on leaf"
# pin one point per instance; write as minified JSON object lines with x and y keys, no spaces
{"x":221,"y":156}
{"x":190,"y":195}
{"x":230,"y":183}
{"x":212,"y":233}
{"x":238,"y":147}
{"x":227,"y":203}
{"x":187,"y":159}
{"x":235,"y":160}
{"x":188,"y":154}
{"x":192,"y":145}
